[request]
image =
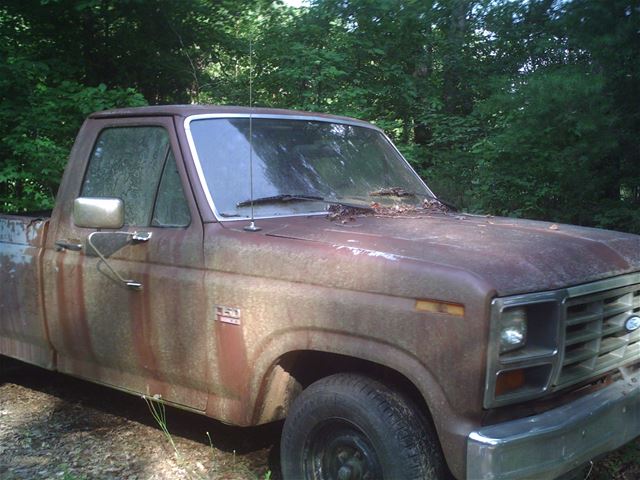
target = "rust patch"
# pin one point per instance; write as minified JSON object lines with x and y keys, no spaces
{"x":41,"y":307}
{"x":142,"y":334}
{"x":234,"y":368}
{"x":71,"y":309}
{"x":275,"y":395}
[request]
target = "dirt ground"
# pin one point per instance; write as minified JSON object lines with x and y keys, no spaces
{"x":56,"y":427}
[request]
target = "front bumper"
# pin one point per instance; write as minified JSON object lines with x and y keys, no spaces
{"x":547,"y":445}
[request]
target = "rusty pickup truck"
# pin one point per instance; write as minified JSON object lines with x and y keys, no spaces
{"x":254,"y":265}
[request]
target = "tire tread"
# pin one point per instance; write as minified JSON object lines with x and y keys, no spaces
{"x":418,"y":454}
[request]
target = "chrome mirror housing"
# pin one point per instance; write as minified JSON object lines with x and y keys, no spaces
{"x":90,"y":212}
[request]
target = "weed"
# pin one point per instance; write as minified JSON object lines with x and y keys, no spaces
{"x":213,"y":453}
{"x":159,"y":414}
{"x":237,"y":468}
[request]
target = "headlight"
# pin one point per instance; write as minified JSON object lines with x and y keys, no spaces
{"x":513,"y":329}
{"x":523,"y":347}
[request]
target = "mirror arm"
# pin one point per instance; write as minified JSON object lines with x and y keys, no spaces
{"x":136,"y":237}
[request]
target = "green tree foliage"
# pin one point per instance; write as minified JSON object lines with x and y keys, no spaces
{"x":562,"y":126}
{"x":39,"y":125}
{"x":40,"y":111}
{"x":63,"y":59}
{"x":526,"y":108}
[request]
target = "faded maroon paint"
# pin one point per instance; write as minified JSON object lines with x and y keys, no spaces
{"x":303,"y":295}
{"x":513,"y":256}
{"x":301,"y":283}
{"x":133,"y":333}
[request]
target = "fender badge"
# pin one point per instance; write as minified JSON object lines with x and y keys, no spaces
{"x":231,"y":315}
{"x":632,"y":323}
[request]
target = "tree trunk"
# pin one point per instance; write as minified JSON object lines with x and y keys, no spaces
{"x":454,"y":91}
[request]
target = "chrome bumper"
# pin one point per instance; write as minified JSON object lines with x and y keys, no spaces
{"x":547,"y":445}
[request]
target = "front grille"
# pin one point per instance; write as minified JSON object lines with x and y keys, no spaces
{"x":595,"y":337}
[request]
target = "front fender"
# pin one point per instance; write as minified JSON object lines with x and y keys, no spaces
{"x":275,"y":389}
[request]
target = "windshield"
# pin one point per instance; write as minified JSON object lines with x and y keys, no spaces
{"x":299,"y":166}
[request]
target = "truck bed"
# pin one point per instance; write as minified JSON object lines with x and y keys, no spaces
{"x":25,"y":229}
{"x":23,"y":332}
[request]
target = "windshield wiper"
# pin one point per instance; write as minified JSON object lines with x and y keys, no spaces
{"x":291,"y":197}
{"x":282,"y":198}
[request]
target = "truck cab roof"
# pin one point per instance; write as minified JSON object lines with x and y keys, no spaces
{"x":189,"y":110}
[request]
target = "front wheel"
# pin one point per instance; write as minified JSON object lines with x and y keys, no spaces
{"x":350,"y":427}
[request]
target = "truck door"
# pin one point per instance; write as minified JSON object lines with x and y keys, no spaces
{"x":151,"y":339}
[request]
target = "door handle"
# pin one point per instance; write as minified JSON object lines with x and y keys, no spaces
{"x":68,"y":245}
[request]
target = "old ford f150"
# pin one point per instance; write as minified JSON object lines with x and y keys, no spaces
{"x":399,"y":340}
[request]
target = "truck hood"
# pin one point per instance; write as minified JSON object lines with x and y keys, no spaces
{"x":512,"y":255}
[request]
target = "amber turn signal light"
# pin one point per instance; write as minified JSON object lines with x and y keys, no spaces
{"x":435,"y":306}
{"x":509,"y":381}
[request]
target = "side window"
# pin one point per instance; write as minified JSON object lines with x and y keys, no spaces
{"x":171,"y":208}
{"x":127,"y":163}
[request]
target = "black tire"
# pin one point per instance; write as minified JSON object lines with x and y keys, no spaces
{"x":3,"y":367}
{"x":350,"y":427}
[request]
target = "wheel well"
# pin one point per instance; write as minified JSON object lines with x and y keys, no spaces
{"x":308,"y":366}
{"x":295,"y":371}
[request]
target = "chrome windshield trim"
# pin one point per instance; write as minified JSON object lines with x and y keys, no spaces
{"x":196,"y":161}
{"x":311,"y":118}
{"x":413,"y":170}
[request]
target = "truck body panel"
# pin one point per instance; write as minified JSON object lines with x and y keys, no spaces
{"x":117,"y":336}
{"x":223,"y":313}
{"x":23,"y":329}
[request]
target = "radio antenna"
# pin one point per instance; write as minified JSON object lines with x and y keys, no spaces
{"x":252,"y":227}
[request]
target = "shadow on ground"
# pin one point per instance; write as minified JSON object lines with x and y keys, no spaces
{"x":57,"y":416}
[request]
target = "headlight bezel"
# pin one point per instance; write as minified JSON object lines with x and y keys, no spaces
{"x":536,"y":360}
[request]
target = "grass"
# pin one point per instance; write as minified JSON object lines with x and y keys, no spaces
{"x":158,"y":412}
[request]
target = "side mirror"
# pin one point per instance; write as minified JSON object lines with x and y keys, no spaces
{"x":92,"y":212}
